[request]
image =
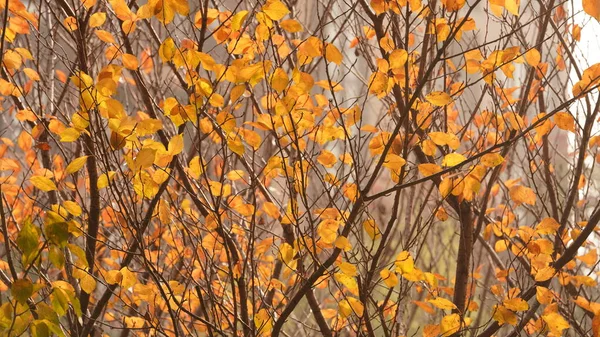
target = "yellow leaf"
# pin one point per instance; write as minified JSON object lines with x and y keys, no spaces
{"x":442,"y":303}
{"x":275,"y":10}
{"x":332,"y":54}
{"x":404,"y":263}
{"x":72,"y":207}
{"x":130,"y":61}
{"x":501,"y":246}
{"x":389,"y":278}
{"x":195,"y":167}
{"x":492,"y":159}
{"x":547,"y":226}
{"x":544,"y":295}
{"x":97,"y":19}
{"x":279,"y":80}
{"x":394,"y":162}
{"x":167,"y":49}
{"x":76,"y":165}
{"x":343,"y":243}
{"x":327,"y":230}
{"x":88,"y":283}
{"x":516,"y":304}
{"x":533,"y":57}
{"x":544,"y":274}
{"x":450,"y":324}
{"x":429,"y":169}
{"x":291,"y":26}
{"x":176,"y":145}
{"x":502,"y":315}
{"x":286,"y":253}
{"x":104,"y":179}
{"x":512,"y":6}
{"x":113,"y":277}
{"x":327,"y":159}
{"x":348,"y":268}
{"x":398,"y":58}
{"x":31,"y":74}
{"x":105,"y":36}
{"x":589,"y":258}
{"x":43,"y":183}
{"x":349,"y":306}
{"x":372,"y":229}
{"x":348,"y":281}
{"x":217,"y":189}
{"x":439,"y":98}
{"x":565,"y":121}
{"x":453,"y":159}
{"x":69,"y":135}
{"x":236,"y":145}
{"x":145,"y":158}
{"x":271,"y":210}
{"x":592,"y":7}
{"x":238,"y":20}
{"x":555,"y":322}
{"x":521,"y":194}
{"x":443,"y":138}
{"x":128,"y":278}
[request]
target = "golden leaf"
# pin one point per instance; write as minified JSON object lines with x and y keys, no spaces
{"x":76,"y":165}
{"x":592,"y":8}
{"x":442,"y":303}
{"x":522,"y":195}
{"x":453,"y":159}
{"x":43,"y":183}
{"x":275,"y":10}
{"x":439,"y":98}
{"x":565,"y":121}
{"x":492,"y":159}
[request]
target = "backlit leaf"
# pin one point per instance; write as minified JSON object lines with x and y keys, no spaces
{"x":522,"y":195}
{"x":592,"y":8}
{"x":492,"y":159}
{"x":453,"y":159}
{"x":429,"y":169}
{"x":275,"y":10}
{"x":565,"y":121}
{"x":332,"y":54}
{"x":43,"y":183}
{"x":76,"y":165}
{"x":442,"y":303}
{"x":439,"y":98}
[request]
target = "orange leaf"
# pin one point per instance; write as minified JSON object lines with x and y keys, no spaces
{"x":130,"y":61}
{"x":544,"y":274}
{"x":332,"y":54}
{"x":592,"y":7}
{"x":429,"y":169}
{"x":533,"y":57}
{"x":565,"y":121}
{"x":521,"y":194}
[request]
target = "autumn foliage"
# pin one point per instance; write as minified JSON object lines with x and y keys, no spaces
{"x":299,"y":168}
